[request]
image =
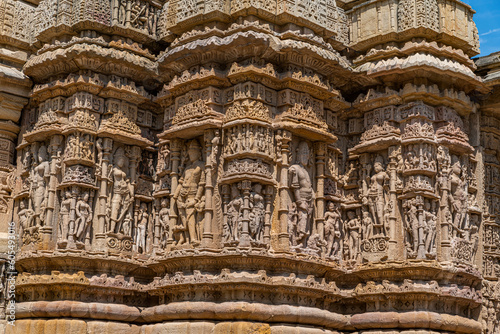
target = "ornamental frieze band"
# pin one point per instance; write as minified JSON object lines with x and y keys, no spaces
{"x":248,"y":166}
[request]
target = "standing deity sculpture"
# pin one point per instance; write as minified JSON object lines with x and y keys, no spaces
{"x":141,"y":228}
{"x":366,"y":226}
{"x":164,"y":219}
{"x":457,"y":199}
{"x":215,"y":145}
{"x":234,"y":215}
{"x":64,"y":213}
{"x":353,"y":230}
{"x":26,"y":216}
{"x":411,"y":224}
{"x":257,"y":213}
{"x":302,"y":194}
{"x":39,"y":186}
{"x":378,"y":196}
{"x":430,"y":221}
{"x":164,"y":158}
{"x":332,"y":231}
{"x":122,"y":190}
{"x":84,"y":219}
{"x":188,"y":196}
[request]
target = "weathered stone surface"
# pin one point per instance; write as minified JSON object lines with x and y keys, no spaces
{"x":256,"y":166}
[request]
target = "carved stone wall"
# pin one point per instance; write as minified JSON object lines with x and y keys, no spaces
{"x":271,"y":166}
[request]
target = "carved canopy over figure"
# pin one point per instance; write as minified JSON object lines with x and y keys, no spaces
{"x":122,"y":191}
{"x":188,"y":197}
{"x":302,"y":193}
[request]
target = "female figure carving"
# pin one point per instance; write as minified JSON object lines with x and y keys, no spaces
{"x":64,"y":214}
{"x":84,"y":220}
{"x":142,"y":224}
{"x":353,"y":230}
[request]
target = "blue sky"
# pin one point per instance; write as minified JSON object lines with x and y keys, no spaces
{"x":487,"y":19}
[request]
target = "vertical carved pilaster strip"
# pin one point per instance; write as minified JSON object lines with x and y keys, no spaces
{"x":115,"y":7}
{"x":72,"y":218}
{"x":246,"y":186}
{"x":445,"y":224}
{"x":156,"y":220}
{"x":268,"y":194}
{"x":286,"y":138}
{"x":320,"y":150}
{"x":175,"y":151}
{"x":100,"y":229}
{"x":421,"y":233}
{"x":226,"y":197}
{"x":394,"y":230}
{"x":208,"y":236}
{"x":135,"y":155}
{"x":128,"y":13}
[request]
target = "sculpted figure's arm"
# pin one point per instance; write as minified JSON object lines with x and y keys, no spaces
{"x":178,"y":189}
{"x":78,"y":212}
{"x":91,"y":212}
{"x":294,"y":183}
{"x":201,"y":186}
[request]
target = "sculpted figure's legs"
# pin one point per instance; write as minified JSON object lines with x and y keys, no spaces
{"x":191,"y":223}
{"x":115,"y":210}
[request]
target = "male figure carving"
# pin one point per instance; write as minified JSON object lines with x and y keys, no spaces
{"x":302,"y":193}
{"x":123,"y":192}
{"x":40,"y":180}
{"x":188,"y":194}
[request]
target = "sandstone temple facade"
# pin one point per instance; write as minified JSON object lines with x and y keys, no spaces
{"x":248,"y":166}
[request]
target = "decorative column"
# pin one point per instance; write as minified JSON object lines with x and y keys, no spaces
{"x":100,"y":228}
{"x":72,"y":218}
{"x":444,"y":211}
{"x":156,"y":219}
{"x":286,"y":138}
{"x":210,"y":140}
{"x":268,"y":194}
{"x":320,"y":150}
{"x":175,"y":151}
{"x":421,"y":236}
{"x":394,"y":154}
{"x":246,"y":186}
